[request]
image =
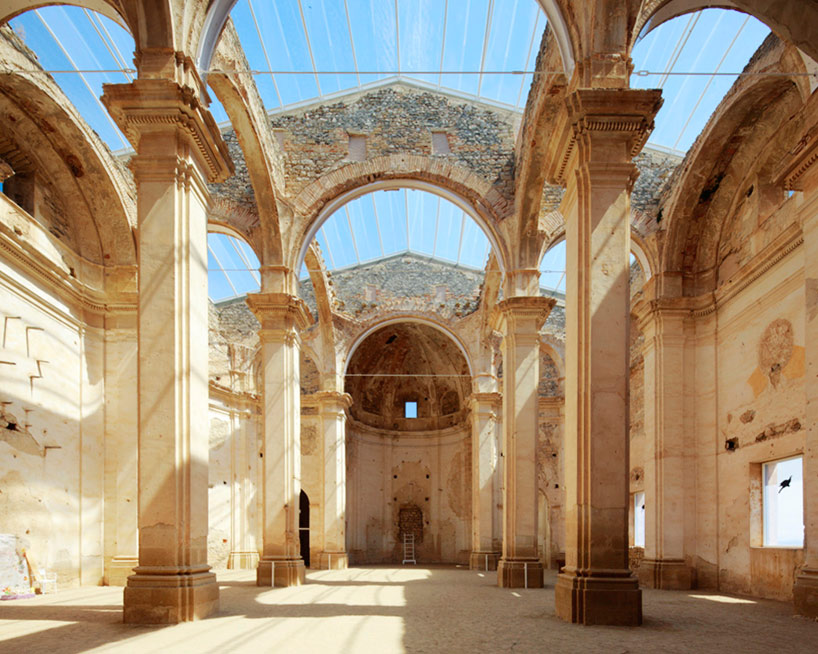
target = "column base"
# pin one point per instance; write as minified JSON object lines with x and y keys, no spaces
{"x":805,"y":593}
{"x":612,"y":599}
{"x":280,"y":572}
{"x":240,"y":560}
{"x":119,"y":569}
{"x":333,"y":561}
{"x":485,"y":561}
{"x":666,"y":574}
{"x":519,"y":573}
{"x":169,"y":595}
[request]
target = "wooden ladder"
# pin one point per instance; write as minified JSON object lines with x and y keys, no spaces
{"x":409,"y":549}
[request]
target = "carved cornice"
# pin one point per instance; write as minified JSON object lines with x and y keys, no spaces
{"x":151,"y":105}
{"x":61,"y":283}
{"x":532,"y":309}
{"x":799,"y":161}
{"x":279,"y":311}
{"x":621,"y":113}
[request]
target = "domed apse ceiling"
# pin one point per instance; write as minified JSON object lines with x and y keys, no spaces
{"x":408,"y":362}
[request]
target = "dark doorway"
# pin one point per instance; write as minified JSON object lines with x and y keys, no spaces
{"x":304,"y":527}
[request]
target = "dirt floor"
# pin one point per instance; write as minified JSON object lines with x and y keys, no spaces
{"x":393,"y":609}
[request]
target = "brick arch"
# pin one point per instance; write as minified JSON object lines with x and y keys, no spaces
{"x":323,"y":197}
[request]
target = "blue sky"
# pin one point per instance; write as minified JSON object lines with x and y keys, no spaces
{"x":333,"y":46}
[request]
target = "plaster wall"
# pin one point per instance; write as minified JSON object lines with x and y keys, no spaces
{"x":234,"y":482}
{"x":761,"y":409}
{"x":52,"y":462}
{"x":388,"y":471}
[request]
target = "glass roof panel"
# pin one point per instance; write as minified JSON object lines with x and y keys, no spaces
{"x":706,"y":42}
{"x":232,"y":267}
{"x":375,"y":225}
{"x":67,"y":38}
{"x":552,"y":269}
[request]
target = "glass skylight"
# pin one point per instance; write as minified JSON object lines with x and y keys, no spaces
{"x":67,"y":38}
{"x":232,"y":267}
{"x":361,"y":42}
{"x":384,"y":223}
{"x":705,"y":42}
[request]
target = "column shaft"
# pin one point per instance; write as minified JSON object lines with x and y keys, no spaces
{"x":332,"y":406}
{"x":520,"y":565}
{"x":607,"y":128}
{"x":664,"y":565}
{"x":485,"y":416}
{"x":179,"y":149}
{"x":282,"y":317}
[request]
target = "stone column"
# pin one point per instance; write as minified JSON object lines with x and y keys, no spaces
{"x":178,"y":150}
{"x":332,"y":406}
{"x":522,"y":317}
{"x":664,"y":565}
{"x":604,"y":129}
{"x":282,"y":318}
{"x":805,"y":589}
{"x":485,"y":468}
{"x":243,"y":553}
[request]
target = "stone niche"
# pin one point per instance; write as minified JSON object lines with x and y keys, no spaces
{"x":408,"y":475}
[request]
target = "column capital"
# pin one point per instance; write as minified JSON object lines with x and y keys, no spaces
{"x":524,"y":313}
{"x":649,"y":313}
{"x":279,"y":311}
{"x":155,"y":107}
{"x":610,"y":118}
{"x":332,"y":401}
{"x":491,"y":399}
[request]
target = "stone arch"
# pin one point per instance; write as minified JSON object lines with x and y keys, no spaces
{"x":261,"y":154}
{"x":411,"y":318}
{"x":794,"y":21}
{"x":324,"y":301}
{"x":731,"y":144}
{"x":47,"y":128}
{"x":476,"y":196}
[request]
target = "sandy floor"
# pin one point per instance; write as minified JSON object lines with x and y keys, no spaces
{"x":386,"y":610}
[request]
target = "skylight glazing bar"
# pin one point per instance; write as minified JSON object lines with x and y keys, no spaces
{"x":377,"y":222}
{"x":709,"y":82}
{"x":117,"y":57}
{"x":253,"y":272}
{"x":84,"y":80}
{"x":352,"y":234}
{"x":437,"y":226}
{"x":221,"y":268}
{"x":397,"y":44}
{"x":352,"y":43}
{"x":406,"y":212}
{"x":680,"y":45}
{"x":528,"y":57}
{"x":485,"y":46}
{"x":329,"y":249}
{"x":264,"y":50}
{"x":309,"y":48}
{"x":443,"y":41}
{"x":462,"y":229}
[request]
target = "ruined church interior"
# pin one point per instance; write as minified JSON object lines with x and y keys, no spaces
{"x":409,"y":326}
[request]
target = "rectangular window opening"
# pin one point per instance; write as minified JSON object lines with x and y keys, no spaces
{"x":638,"y":519}
{"x":410,"y":410}
{"x":783,"y":502}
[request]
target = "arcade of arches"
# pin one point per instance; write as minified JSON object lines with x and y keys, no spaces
{"x":625,"y":433}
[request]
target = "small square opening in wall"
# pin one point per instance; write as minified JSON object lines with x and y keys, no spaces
{"x":357,"y":147}
{"x":783,"y":502}
{"x":410,"y":410}
{"x":440,"y":143}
